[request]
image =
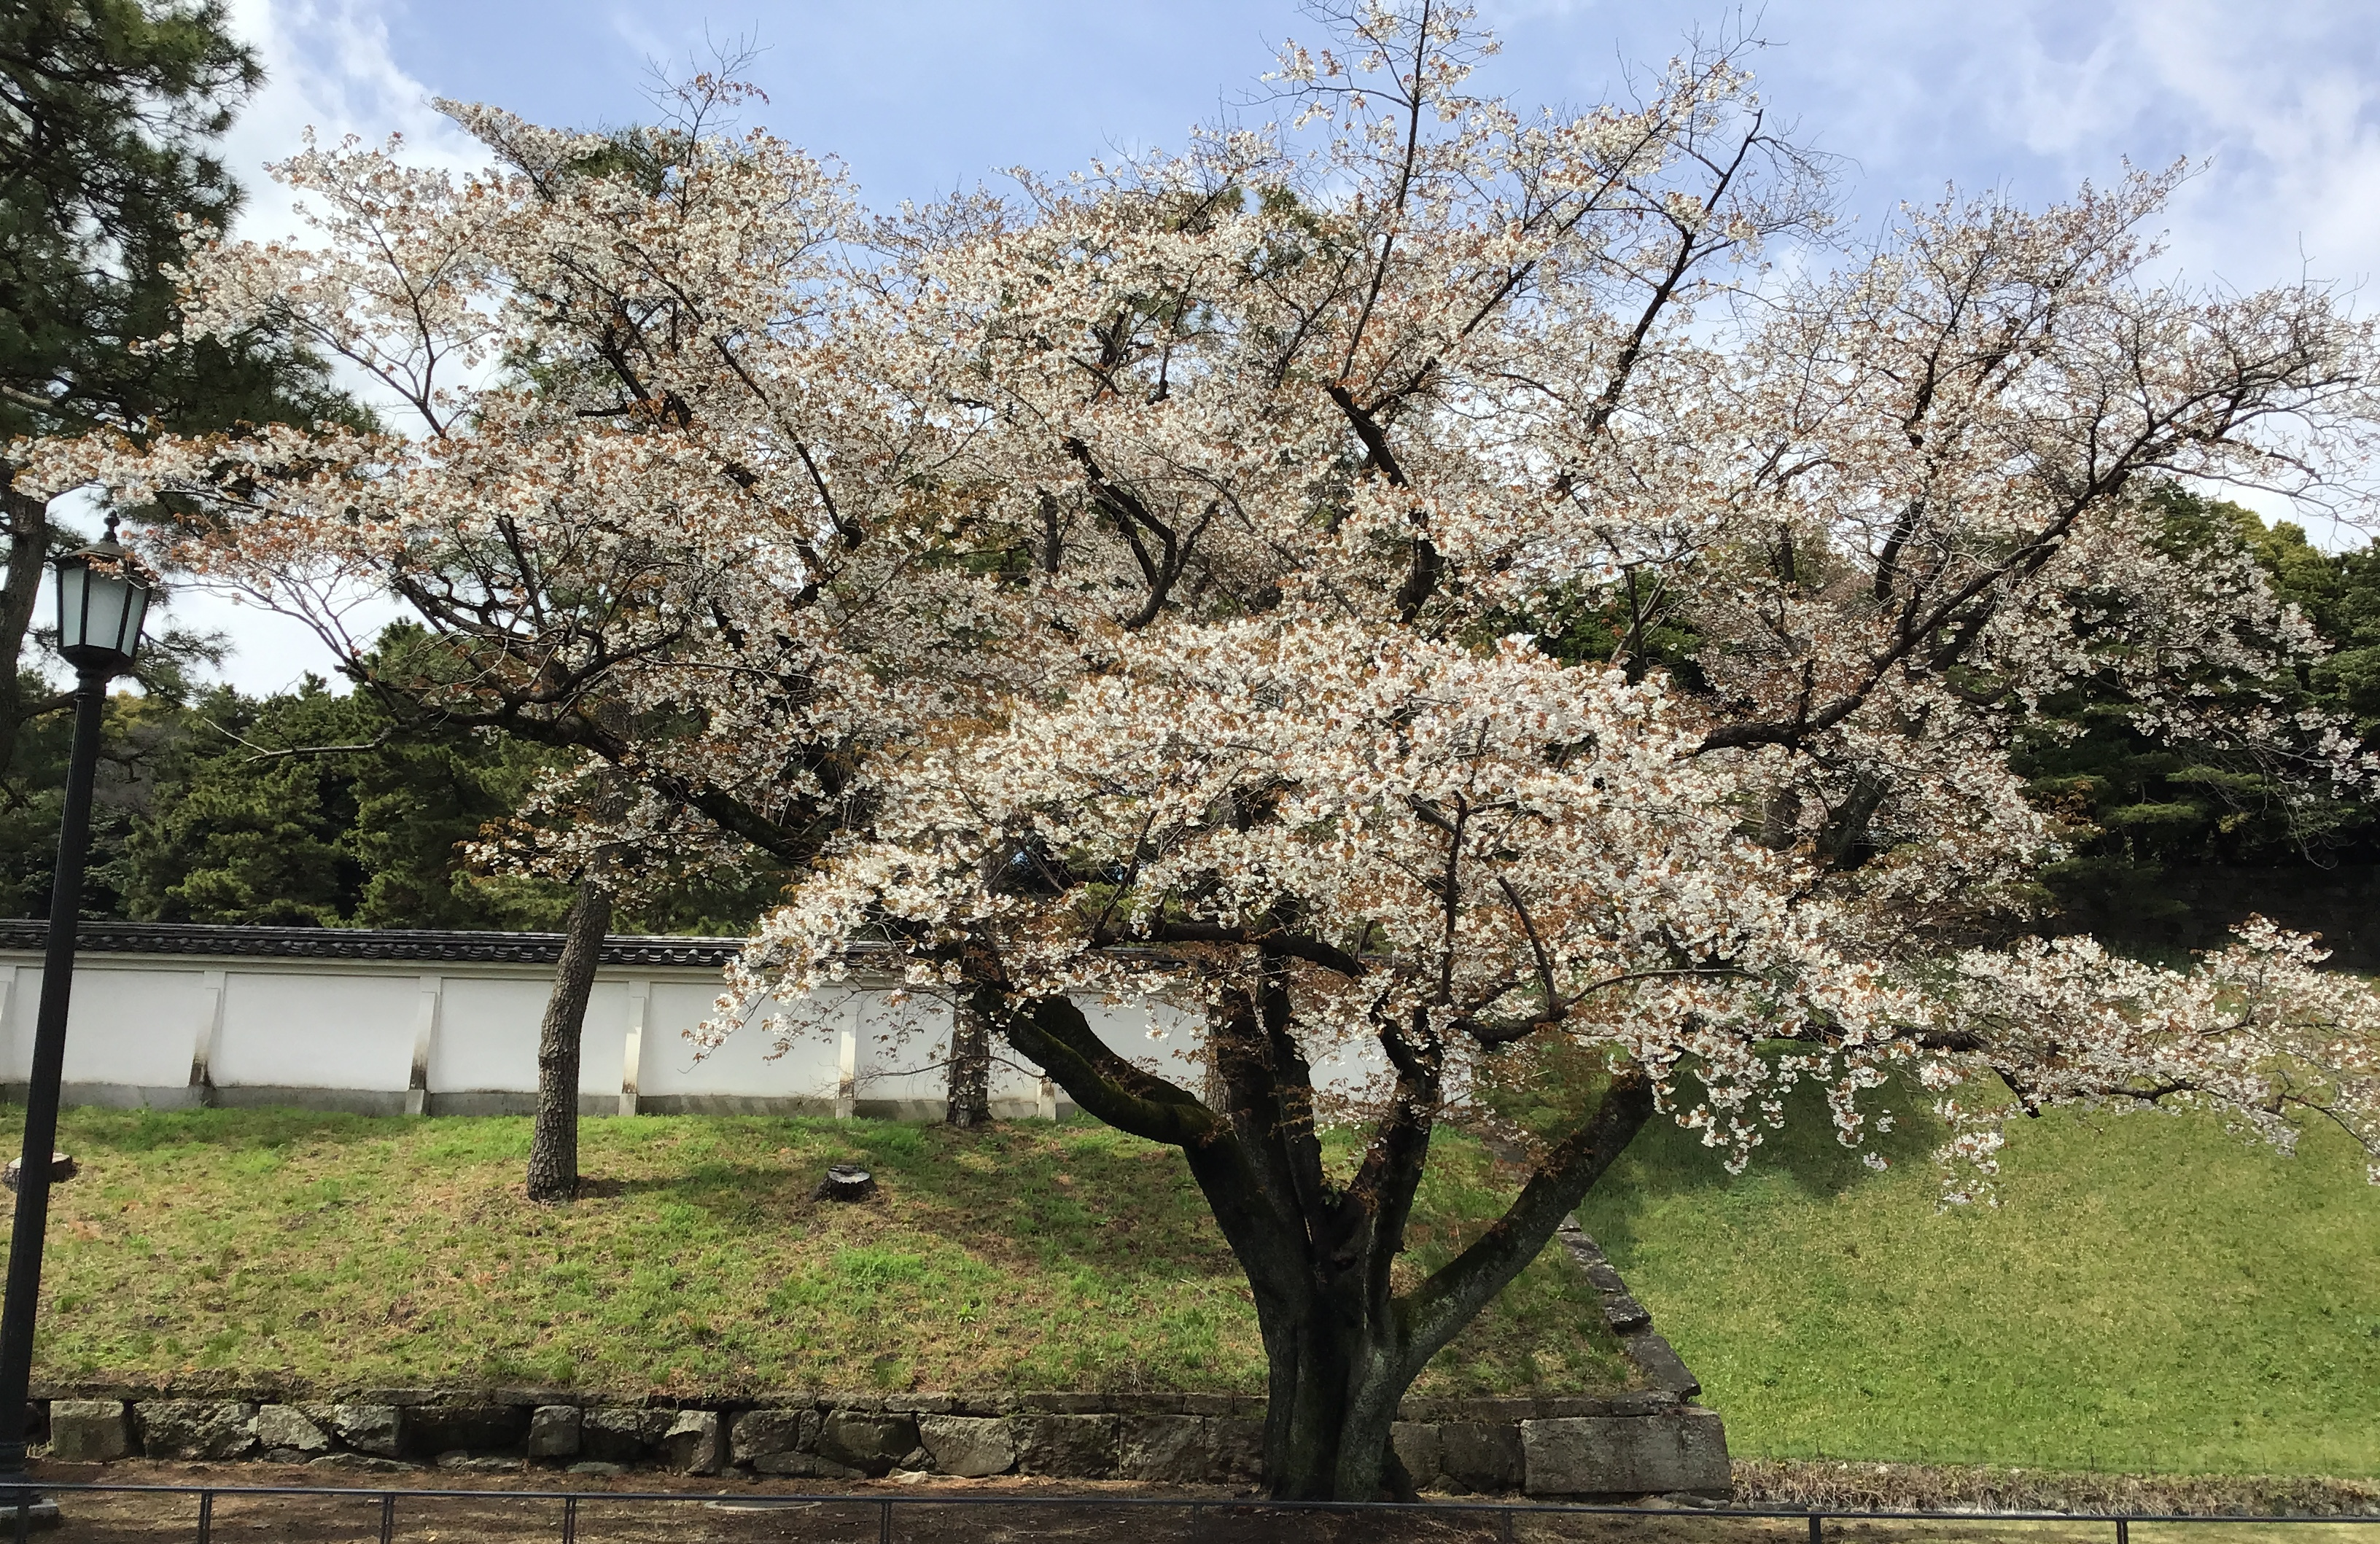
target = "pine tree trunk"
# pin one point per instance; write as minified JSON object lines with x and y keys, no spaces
{"x":554,"y":1145}
{"x":29,"y":538}
{"x":969,"y":1101}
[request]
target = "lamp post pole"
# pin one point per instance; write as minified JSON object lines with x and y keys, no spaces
{"x":101,"y":600}
{"x":23,"y":1301}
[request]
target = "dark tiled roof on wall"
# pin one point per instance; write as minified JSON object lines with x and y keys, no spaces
{"x":358,"y":943}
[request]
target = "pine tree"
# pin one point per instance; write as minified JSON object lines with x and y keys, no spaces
{"x":107,"y":111}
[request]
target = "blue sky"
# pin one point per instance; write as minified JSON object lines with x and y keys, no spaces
{"x":921,"y":96}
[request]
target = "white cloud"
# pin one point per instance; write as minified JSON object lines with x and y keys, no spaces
{"x":328,"y":67}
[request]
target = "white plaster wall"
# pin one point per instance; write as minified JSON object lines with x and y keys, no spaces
{"x":744,"y":1065}
{"x":134,"y":1027}
{"x":1161,"y":1037}
{"x":488,"y":1032}
{"x":316,"y":1031}
{"x":137,"y":1022}
{"x":128,"y":1028}
{"x":900,"y":1047}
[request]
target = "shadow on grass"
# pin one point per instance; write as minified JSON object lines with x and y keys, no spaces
{"x":242,"y":1129}
{"x":1011,"y":1197}
{"x":1666,"y":1160}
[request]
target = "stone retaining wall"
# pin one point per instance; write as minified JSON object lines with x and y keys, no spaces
{"x":1625,"y":1445}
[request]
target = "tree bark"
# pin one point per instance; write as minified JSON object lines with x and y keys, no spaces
{"x":29,"y":551}
{"x":554,"y":1145}
{"x":968,"y":1104}
{"x":1341,"y":1347}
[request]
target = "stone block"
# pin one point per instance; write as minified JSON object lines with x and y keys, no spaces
{"x":1628,"y":1455}
{"x":553,"y":1431}
{"x":691,"y":1445}
{"x":430,"y":1429}
{"x":1571,"y":1404}
{"x":971,"y":1447}
{"x":378,"y":1429}
{"x":622,"y":1436}
{"x":1066,"y":1447}
{"x":1207,"y":1405}
{"x":1138,"y":1404}
{"x":288,"y":1429}
{"x":1176,"y":1449}
{"x":1417,"y":1446}
{"x":757,"y":1434}
{"x":1235,"y":1447}
{"x":983,"y":1405}
{"x":869,"y":1441}
{"x":1479,"y":1455}
{"x":1660,"y":1364}
{"x":1067,"y":1403}
{"x":89,"y":1430}
{"x":1625,"y":1314}
{"x":196,"y":1430}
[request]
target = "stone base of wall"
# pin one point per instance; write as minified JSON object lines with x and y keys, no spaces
{"x":1620,"y":1445}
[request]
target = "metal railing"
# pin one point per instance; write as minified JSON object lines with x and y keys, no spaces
{"x":877,"y":1511}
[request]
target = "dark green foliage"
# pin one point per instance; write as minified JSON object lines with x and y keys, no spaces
{"x":2141,"y":806}
{"x":310,"y":809}
{"x":243,"y":839}
{"x":107,"y":108}
{"x":137,"y":734}
{"x":110,"y":104}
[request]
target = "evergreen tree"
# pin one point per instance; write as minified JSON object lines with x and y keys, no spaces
{"x":2139,"y":804}
{"x":107,"y":108}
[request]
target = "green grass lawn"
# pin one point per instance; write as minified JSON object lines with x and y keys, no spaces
{"x":2151,"y":1294}
{"x":339,"y":1252}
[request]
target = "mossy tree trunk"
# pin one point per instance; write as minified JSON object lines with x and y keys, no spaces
{"x":1341,"y":1347}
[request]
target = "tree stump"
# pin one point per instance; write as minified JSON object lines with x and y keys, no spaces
{"x":61,"y":1168}
{"x":844,"y":1182}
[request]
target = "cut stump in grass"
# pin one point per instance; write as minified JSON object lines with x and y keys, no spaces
{"x":845,"y":1182}
{"x":62,"y":1168}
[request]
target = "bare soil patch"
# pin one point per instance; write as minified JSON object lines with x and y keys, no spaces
{"x":340,"y":1510}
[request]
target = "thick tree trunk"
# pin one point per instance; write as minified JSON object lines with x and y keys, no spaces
{"x":1341,"y":1346}
{"x":554,"y":1145}
{"x":969,"y":1099}
{"x":1334,"y":1380}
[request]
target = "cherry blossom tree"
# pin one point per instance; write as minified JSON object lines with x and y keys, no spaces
{"x":1473,"y":600}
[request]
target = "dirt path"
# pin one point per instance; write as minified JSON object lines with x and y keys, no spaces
{"x":728,"y":1511}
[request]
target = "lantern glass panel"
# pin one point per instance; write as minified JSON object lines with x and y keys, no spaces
{"x":105,"y":598}
{"x":136,"y":606}
{"x":99,"y":613}
{"x":74,"y":585}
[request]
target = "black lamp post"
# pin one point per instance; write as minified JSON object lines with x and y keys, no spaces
{"x":101,"y":601}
